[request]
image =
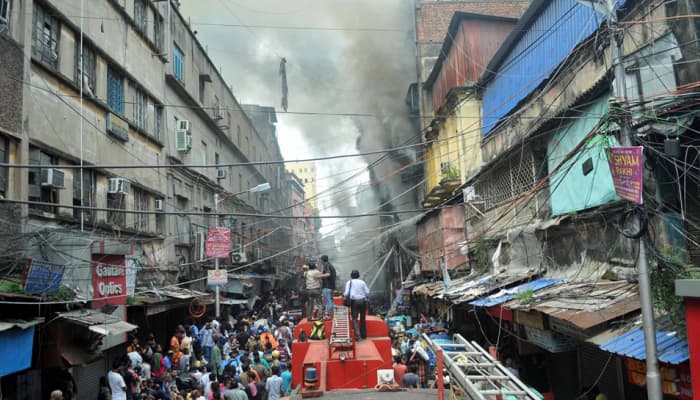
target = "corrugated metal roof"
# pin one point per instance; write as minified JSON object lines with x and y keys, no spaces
{"x":466,"y":289}
{"x":670,"y":348}
{"x":585,"y":304}
{"x":541,"y":41}
{"x":509,"y":294}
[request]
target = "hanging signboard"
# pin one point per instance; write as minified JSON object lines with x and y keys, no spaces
{"x":218,"y":242}
{"x":43,"y":277}
{"x":108,"y":280}
{"x":627,"y":169}
{"x":217,"y":277}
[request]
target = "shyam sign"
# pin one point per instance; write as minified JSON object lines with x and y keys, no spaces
{"x":627,"y":170}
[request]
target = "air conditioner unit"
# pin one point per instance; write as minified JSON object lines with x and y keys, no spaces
{"x":52,"y":177}
{"x":118,"y":186}
{"x":160,"y":205}
{"x":469,"y":193}
{"x":183,"y":140}
{"x":184,"y":125}
{"x":385,"y":376}
{"x":238,"y":257}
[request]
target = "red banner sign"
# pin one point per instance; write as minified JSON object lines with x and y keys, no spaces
{"x":108,"y":280}
{"x":627,"y":169}
{"x":218,"y":242}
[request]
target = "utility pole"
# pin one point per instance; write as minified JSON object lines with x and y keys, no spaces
{"x":653,"y":378}
{"x":217,"y":304}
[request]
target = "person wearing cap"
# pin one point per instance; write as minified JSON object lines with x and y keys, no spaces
{"x":358,"y":291}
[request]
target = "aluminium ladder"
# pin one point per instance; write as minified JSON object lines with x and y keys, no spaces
{"x":341,"y":337}
{"x":480,"y":376}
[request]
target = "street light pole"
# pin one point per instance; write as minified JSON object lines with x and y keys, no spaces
{"x":217,"y":290}
{"x":653,"y":378}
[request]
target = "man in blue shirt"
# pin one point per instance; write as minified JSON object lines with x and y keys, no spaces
{"x":286,"y":378}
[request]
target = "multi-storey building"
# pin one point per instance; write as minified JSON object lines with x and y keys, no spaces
{"x":125,"y":90}
{"x":306,"y":172}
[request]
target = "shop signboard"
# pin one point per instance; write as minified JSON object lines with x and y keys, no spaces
{"x":627,"y":169}
{"x":108,"y":280}
{"x":43,"y":277}
{"x":217,"y":277}
{"x":218,"y":242}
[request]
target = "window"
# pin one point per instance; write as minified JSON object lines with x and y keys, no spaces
{"x":44,"y":36}
{"x":4,"y":152}
{"x":88,"y":64}
{"x":158,"y":121}
{"x":140,"y":204}
{"x":37,"y":191}
{"x":116,"y":201}
{"x":204,"y":153}
{"x":140,"y":14}
{"x":115,"y":90}
{"x":178,"y":63}
{"x":87,"y":197}
{"x":157,"y":30}
{"x":139,"y":102}
{"x":4,"y":13}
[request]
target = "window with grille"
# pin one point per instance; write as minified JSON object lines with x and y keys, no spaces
{"x":45,"y":36}
{"x":88,"y":74}
{"x":4,"y":14}
{"x":507,"y":181}
{"x":37,"y":191}
{"x":139,"y":107}
{"x":88,"y":195}
{"x":4,"y":151}
{"x":178,"y":63}
{"x":158,"y":121}
{"x":116,"y":201}
{"x":140,"y":14}
{"x":158,"y":30}
{"x":115,"y":90}
{"x":141,"y":204}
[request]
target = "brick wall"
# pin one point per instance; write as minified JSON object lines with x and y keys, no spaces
{"x":433,"y":18}
{"x":11,"y":64}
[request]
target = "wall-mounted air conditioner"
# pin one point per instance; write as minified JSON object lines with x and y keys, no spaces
{"x":238,"y":257}
{"x":118,"y":186}
{"x":53,"y":177}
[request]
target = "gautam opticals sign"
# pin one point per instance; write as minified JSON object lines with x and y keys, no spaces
{"x":109,"y":280}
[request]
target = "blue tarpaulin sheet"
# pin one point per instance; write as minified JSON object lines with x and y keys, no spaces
{"x":509,"y":294}
{"x":16,"y":350}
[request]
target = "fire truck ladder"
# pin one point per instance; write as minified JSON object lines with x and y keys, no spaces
{"x":341,"y":338}
{"x":477,"y":373}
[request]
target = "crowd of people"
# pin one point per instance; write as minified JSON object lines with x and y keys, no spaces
{"x":245,"y":359}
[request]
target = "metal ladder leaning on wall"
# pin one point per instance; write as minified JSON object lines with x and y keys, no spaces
{"x":480,"y":376}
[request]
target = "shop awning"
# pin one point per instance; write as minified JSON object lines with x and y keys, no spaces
{"x":670,"y":348}
{"x":505,"y":295}
{"x":585,"y":304}
{"x":98,"y":322}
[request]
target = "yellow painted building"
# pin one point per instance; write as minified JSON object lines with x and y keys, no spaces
{"x":455,"y":152}
{"x":306,"y":172}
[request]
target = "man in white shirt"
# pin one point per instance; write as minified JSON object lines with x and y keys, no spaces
{"x":358,"y":291}
{"x":116,"y":382}
{"x":313,"y":288}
